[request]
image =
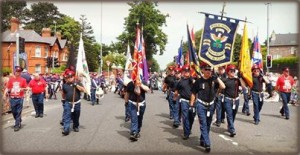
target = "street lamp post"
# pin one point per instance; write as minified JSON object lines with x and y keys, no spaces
{"x":268,"y":40}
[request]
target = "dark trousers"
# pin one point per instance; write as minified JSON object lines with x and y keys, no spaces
{"x":38,"y":103}
{"x":16,"y":105}
{"x":67,"y":115}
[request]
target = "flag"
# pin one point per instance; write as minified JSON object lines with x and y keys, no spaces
{"x":217,"y":41}
{"x":180,"y":58}
{"x":128,"y":66}
{"x":82,"y":70}
{"x":256,"y":55}
{"x":245,"y":62}
{"x":145,"y":65}
{"x":193,"y":59}
{"x":137,"y":72}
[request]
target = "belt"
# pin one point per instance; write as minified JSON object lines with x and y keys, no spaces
{"x":75,"y":102}
{"x":140,"y":103}
{"x":206,"y":103}
{"x":256,"y":92}
{"x":182,"y":99}
{"x":15,"y":97}
{"x":36,"y":93}
{"x":234,"y":99}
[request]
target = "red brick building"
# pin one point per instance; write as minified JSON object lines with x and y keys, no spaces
{"x":284,"y":45}
{"x":37,"y":48}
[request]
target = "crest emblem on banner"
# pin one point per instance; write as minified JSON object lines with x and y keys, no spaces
{"x":217,"y":41}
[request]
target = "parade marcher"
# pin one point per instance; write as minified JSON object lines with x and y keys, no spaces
{"x":284,"y":86}
{"x":168,"y":86}
{"x":204,"y":91}
{"x":5,"y":103}
{"x":93,"y":88}
{"x":231,"y":94}
{"x":137,"y":104}
{"x":257,"y":92}
{"x":71,"y":93}
{"x":16,"y":87}
{"x":177,"y":106}
{"x":183,"y":92}
{"x":38,"y":87}
{"x":247,"y":97}
{"x":295,"y":91}
{"x":26,"y":76}
{"x":219,"y":101}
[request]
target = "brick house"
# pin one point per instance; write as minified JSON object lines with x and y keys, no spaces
{"x":284,"y":45}
{"x":37,"y":48}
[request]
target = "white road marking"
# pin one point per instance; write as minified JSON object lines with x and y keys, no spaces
{"x":228,"y":139}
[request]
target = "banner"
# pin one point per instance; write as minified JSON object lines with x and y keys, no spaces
{"x":217,"y":41}
{"x":193,"y":59}
{"x":128,"y":66}
{"x":256,"y":55}
{"x":82,"y":70}
{"x":145,"y":65}
{"x":245,"y":61}
{"x":23,"y":61}
{"x":137,"y":73}
{"x":180,"y":58}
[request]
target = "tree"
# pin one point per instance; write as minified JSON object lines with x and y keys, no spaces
{"x":69,"y":28}
{"x":151,"y":19}
{"x":42,"y":14}
{"x":12,"y":9}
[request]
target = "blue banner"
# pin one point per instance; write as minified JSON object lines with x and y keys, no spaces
{"x":217,"y":41}
{"x":23,"y":61}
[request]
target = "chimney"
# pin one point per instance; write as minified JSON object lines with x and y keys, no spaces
{"x":46,"y":32}
{"x":58,"y":35}
{"x":14,"y":24}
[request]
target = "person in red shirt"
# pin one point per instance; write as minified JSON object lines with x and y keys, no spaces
{"x":16,"y":86}
{"x":284,"y":86}
{"x":38,"y":87}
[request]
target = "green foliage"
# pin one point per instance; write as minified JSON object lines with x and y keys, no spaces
{"x":59,"y":69}
{"x":287,"y":61}
{"x":11,"y":9}
{"x":154,"y":65}
{"x":6,"y":69}
{"x":114,"y":58}
{"x":69,"y":29}
{"x":42,"y":15}
{"x":151,"y":19}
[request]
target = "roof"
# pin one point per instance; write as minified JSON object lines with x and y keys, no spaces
{"x":29,"y":35}
{"x":32,"y":36}
{"x":285,"y":39}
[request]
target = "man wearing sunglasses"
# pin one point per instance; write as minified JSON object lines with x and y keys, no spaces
{"x":284,"y":86}
{"x":204,"y":92}
{"x":257,"y":92}
{"x":231,"y":96}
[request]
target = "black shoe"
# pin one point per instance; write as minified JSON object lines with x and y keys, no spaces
{"x":287,"y":118}
{"x":133,"y":137}
{"x":207,"y":148}
{"x":217,"y":124}
{"x":222,"y":121}
{"x":37,"y":115}
{"x":175,"y":125}
{"x":65,"y":133}
{"x":127,"y":119}
{"x":171,"y":117}
{"x":138,"y":135}
{"x":184,"y":137}
{"x":202,"y":143}
{"x":76,"y":129}
{"x":17,"y":128}
{"x":256,"y":122}
{"x":232,"y":134}
{"x":61,"y":123}
{"x":281,"y":112}
{"x":41,"y":115}
{"x":248,"y":114}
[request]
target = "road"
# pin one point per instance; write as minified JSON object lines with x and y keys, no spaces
{"x":103,"y":130}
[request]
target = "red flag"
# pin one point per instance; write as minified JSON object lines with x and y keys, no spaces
{"x":137,"y":57}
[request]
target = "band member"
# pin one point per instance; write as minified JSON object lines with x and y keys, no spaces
{"x":137,"y":106}
{"x":38,"y":87}
{"x":284,"y":86}
{"x":16,"y":87}
{"x":204,"y":91}
{"x":71,"y":93}
{"x":219,"y":101}
{"x":257,"y":92}
{"x":177,"y":106}
{"x":231,"y":94}
{"x":169,"y":87}
{"x":183,"y":92}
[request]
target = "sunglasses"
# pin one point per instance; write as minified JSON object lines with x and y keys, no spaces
{"x":207,"y":69}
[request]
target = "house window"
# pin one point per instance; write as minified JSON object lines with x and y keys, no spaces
{"x":276,"y":56}
{"x":37,"y":51}
{"x":292,"y":50}
{"x":38,"y":68}
{"x":46,"y":51}
{"x":65,"y":57}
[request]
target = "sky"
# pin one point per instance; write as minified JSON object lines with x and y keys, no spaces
{"x":107,"y":19}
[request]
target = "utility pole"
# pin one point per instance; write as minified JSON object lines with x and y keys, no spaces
{"x":17,"y":49}
{"x":101,"y":62}
{"x":268,"y":40}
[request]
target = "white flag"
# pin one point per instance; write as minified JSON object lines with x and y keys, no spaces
{"x":82,"y":69}
{"x":128,"y":67}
